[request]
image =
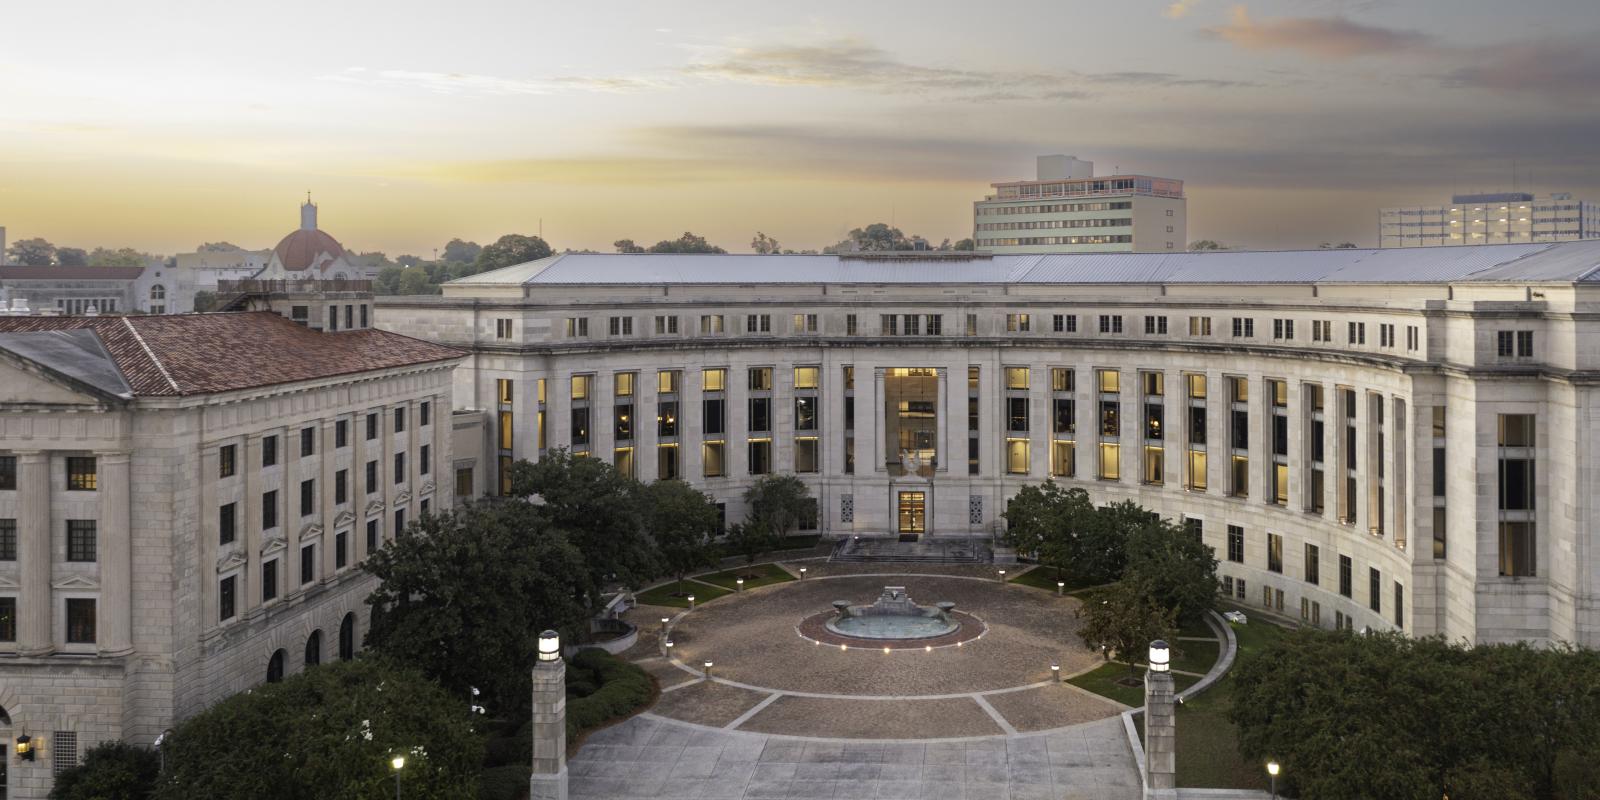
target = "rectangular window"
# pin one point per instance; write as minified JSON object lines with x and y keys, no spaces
{"x":8,"y":540}
{"x":1524,"y":344}
{"x":1236,"y":544}
{"x":1374,"y":590}
{"x":82,"y":544}
{"x":1244,"y":327}
{"x":805,"y":454}
{"x":805,"y":413}
{"x":269,"y":580}
{"x":713,"y":380}
{"x":399,"y":420}
{"x":225,"y":461}
{"x":1017,"y":456}
{"x":760,"y":456}
{"x":577,"y":326}
{"x":81,"y":474}
{"x":713,"y":456}
{"x":227,"y":516}
{"x":372,"y":535}
{"x":424,"y":460}
{"x":1274,"y":553}
{"x":372,"y":476}
{"x":667,"y":462}
{"x":341,"y":434}
{"x":269,"y":451}
{"x":1313,"y":564}
{"x":400,"y":468}
{"x":972,"y":324}
{"x":1111,"y":323}
{"x":308,"y":564}
{"x":805,"y":323}
{"x":621,"y":326}
{"x":805,"y":377}
{"x":1399,"y":606}
{"x":1517,"y":495}
{"x":8,"y":473}
{"x":372,"y":422}
{"x":666,"y":324}
{"x":760,"y":418}
{"x":400,"y":520}
{"x":888,"y":324}
{"x":80,"y":630}
{"x":269,"y":510}
{"x":714,"y":422}
{"x":710,"y":324}
{"x":308,"y":442}
{"x":308,"y":494}
{"x":1156,"y":326}
{"x":502,"y":328}
{"x":341,"y":491}
{"x":1199,"y":326}
{"x":225,"y":598}
{"x":667,"y":419}
{"x":760,"y":379}
{"x":758,"y":323}
{"x":667,"y":381}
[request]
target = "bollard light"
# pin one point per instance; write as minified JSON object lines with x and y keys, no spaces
{"x":1002,"y":576}
{"x":1160,"y":656}
{"x":1061,"y":587}
{"x":691,"y":602}
{"x":549,"y":646}
{"x":1055,"y":670}
{"x":886,"y":651}
{"x":927,"y":648}
{"x":739,"y":583}
{"x":802,"y":573}
{"x":708,"y":670}
{"x":669,"y":645}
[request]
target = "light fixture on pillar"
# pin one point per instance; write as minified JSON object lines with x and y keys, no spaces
{"x":1160,"y":656}
{"x":25,"y":747}
{"x":399,"y":763}
{"x":549,"y":646}
{"x":665,"y":621}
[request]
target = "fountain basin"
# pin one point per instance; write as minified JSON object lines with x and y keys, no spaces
{"x":892,"y":616}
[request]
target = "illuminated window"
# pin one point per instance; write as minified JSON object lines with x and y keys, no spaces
{"x":580,"y":387}
{"x":805,"y":377}
{"x":1017,"y":456}
{"x":713,"y":380}
{"x":625,"y":384}
{"x":1016,"y":377}
{"x":1110,"y":461}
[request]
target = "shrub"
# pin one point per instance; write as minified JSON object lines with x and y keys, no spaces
{"x":624,"y":689}
{"x":509,"y":782}
{"x":110,"y":771}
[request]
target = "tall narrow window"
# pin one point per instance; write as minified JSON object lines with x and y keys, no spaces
{"x":1517,"y":496}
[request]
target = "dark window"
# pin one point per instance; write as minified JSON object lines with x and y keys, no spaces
{"x":1346,"y":578}
{"x":372,"y":536}
{"x":1374,"y":589}
{"x":269,"y":510}
{"x":81,"y":538}
{"x":227,"y":516}
{"x":8,"y":473}
{"x":1516,"y":484}
{"x":1065,"y":415}
{"x":425,"y":413}
{"x":225,"y":598}
{"x":1017,"y":414}
{"x":269,"y":451}
{"x":1236,"y":544}
{"x":269,"y":580}
{"x":1313,"y":564}
{"x":80,"y":620}
{"x":1274,"y":553}
{"x":308,"y":441}
{"x":1110,"y":418}
{"x":363,"y":315}
{"x":1195,"y":527}
{"x":340,"y":546}
{"x":347,"y":638}
{"x":714,"y":422}
{"x":308,"y":495}
{"x":308,"y":564}
{"x":399,"y":522}
{"x":372,"y":426}
{"x":314,"y":649}
{"x":1399,"y":606}
{"x":580,"y":426}
{"x":81,"y":475}
{"x":8,"y":540}
{"x":760,"y":414}
{"x":372,"y":476}
{"x":1241,"y":430}
{"x":341,"y":490}
{"x":760,"y":457}
{"x":399,"y":468}
{"x":275,"y":667}
{"x":8,"y":619}
{"x":424,"y":460}
{"x":805,"y":413}
{"x":1197,"y":425}
{"x":341,"y":433}
{"x":225,"y":461}
{"x":667,"y":418}
{"x":399,"y":420}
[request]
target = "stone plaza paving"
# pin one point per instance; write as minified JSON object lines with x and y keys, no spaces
{"x":783,"y":716}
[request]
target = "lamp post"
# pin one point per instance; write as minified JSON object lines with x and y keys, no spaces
{"x":1160,"y":725}
{"x":547,"y":780}
{"x":399,"y":763}
{"x":1272,"y":775}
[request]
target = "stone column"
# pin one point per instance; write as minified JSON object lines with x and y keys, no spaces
{"x":878,"y":449}
{"x":444,"y":465}
{"x":549,"y":778}
{"x":1039,"y":416}
{"x":34,"y":636}
{"x":1160,"y":737}
{"x":944,"y":413}
{"x":328,"y":456}
{"x":116,"y":554}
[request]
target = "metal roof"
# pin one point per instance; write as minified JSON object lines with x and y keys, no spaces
{"x":1514,"y":263}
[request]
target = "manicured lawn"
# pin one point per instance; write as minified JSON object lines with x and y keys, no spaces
{"x":1196,"y":656}
{"x":666,"y":594}
{"x":1208,"y":756}
{"x":756,"y":575}
{"x":1197,"y":628}
{"x":1044,"y":578}
{"x":1104,"y":679}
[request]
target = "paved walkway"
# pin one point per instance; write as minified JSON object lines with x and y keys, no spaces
{"x":654,"y":758}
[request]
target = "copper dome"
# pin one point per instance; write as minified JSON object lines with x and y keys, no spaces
{"x":302,"y":249}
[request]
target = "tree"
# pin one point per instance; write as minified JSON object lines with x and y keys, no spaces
{"x":687,"y":243}
{"x":1124,"y":620}
{"x":1045,"y":522}
{"x":110,"y":771}
{"x":683,"y":522}
{"x":218,"y":247}
{"x":1170,"y":565}
{"x":32,"y":252}
{"x":1206,"y":244}
{"x":966,"y":244}
{"x":121,"y":257}
{"x":388,"y":281}
{"x":627,"y":246}
{"x":601,"y":511}
{"x":458,"y":250}
{"x":875,"y":237}
{"x":512,"y":249}
{"x":434,"y":610}
{"x":1101,"y":551}
{"x":327,"y":732}
{"x":751,"y":539}
{"x":72,"y":257}
{"x":205,"y":301}
{"x":1339,"y":246}
{"x":414,"y":280}
{"x":764,"y":244}
{"x":779,"y":503}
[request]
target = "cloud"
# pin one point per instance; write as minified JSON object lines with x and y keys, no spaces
{"x":857,"y":65}
{"x":1179,"y":9}
{"x":1553,"y":67}
{"x":1334,"y":38}
{"x":461,"y":83}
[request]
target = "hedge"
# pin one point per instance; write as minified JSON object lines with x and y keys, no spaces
{"x":624,"y":688}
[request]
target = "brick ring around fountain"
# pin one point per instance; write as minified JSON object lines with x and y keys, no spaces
{"x":892,"y":622}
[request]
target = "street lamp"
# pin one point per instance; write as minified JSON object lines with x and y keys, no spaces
{"x":399,"y":763}
{"x":664,"y":622}
{"x":549,"y":647}
{"x":1160,"y":656}
{"x":1272,"y":773}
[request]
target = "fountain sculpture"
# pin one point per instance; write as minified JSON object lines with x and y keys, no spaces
{"x":892,"y":616}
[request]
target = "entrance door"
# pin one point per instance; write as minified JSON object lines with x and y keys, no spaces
{"x":913,"y":509}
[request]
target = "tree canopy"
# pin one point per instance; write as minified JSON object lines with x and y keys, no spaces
{"x":120,"y":257}
{"x":687,"y":243}
{"x":461,"y":252}
{"x":683,"y":522}
{"x":432,"y":610}
{"x":72,"y":257}
{"x":627,"y":246}
{"x":109,"y":771}
{"x":34,"y":252}
{"x":511,"y":249}
{"x":327,"y":732}
{"x":764,"y":244}
{"x":780,"y":503}
{"x":1124,"y":619}
{"x":1207,"y":244}
{"x":599,"y":509}
{"x":875,"y":237}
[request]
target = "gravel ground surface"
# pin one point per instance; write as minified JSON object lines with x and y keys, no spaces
{"x":854,"y":719}
{"x":711,"y":704}
{"x":751,"y":636}
{"x":1050,"y":707}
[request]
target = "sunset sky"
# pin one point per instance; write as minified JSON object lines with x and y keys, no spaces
{"x":164,"y":124}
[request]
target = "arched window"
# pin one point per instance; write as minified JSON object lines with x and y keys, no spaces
{"x":314,"y":649}
{"x":275,"y":666}
{"x":158,"y":292}
{"x":347,"y":637}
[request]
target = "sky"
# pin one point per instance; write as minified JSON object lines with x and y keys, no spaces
{"x":164,"y":124}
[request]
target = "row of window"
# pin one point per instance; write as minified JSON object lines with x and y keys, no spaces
{"x":228,"y":454}
{"x":228,"y":515}
{"x":228,"y":586}
{"x":276,"y":663}
{"x":1054,"y":224}
{"x":1055,"y":208}
{"x":1312,"y":566}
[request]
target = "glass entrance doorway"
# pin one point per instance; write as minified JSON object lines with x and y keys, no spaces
{"x":912,"y":513}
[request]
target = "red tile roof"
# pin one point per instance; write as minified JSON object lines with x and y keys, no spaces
{"x":18,"y":272}
{"x":188,"y":354}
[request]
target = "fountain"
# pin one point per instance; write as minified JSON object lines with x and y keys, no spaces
{"x":892,"y":616}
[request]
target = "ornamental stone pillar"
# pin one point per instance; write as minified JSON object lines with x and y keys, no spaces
{"x":34,"y":637}
{"x":548,"y":780}
{"x":1160,"y":737}
{"x":116,"y":554}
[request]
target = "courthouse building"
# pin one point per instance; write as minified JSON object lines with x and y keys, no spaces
{"x":1367,"y":438}
{"x":184,"y":503}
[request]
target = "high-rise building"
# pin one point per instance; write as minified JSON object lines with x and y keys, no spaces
{"x":1498,"y":218}
{"x":1066,"y":209}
